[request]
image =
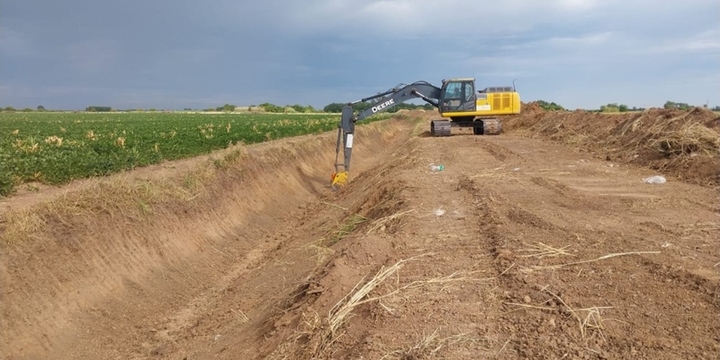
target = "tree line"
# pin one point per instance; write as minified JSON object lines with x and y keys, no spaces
{"x":337,"y":107}
{"x":264,"y":107}
{"x":615,"y":107}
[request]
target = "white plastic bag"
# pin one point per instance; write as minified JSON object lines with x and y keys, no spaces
{"x":657,"y":179}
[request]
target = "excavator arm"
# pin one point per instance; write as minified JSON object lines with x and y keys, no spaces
{"x":381,"y":102}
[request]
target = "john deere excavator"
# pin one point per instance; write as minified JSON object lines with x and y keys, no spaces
{"x":456,"y":99}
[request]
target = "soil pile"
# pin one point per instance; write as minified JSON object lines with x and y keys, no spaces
{"x":684,"y":144}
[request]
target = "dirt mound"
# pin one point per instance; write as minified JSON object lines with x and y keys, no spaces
{"x":532,"y":108}
{"x":684,"y":144}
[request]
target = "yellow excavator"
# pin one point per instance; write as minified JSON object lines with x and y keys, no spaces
{"x":458,"y":102}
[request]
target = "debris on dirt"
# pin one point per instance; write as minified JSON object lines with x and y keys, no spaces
{"x":657,"y":179}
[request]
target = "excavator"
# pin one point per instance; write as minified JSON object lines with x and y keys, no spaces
{"x":457,"y":101}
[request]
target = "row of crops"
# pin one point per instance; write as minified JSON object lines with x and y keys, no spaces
{"x":54,"y":148}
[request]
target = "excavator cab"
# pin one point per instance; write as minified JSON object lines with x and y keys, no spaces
{"x":457,"y":95}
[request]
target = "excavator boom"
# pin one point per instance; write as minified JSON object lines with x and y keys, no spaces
{"x":381,"y":102}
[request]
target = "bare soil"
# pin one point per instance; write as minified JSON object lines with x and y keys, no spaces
{"x":531,"y":244}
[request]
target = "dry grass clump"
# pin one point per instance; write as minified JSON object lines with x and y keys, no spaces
{"x":589,"y":319}
{"x":541,"y":250}
{"x":323,"y":333}
{"x":692,"y":138}
{"x":604,"y":257}
{"x":667,"y":137}
{"x":428,"y":346}
{"x":382,"y":223}
{"x":17,"y":226}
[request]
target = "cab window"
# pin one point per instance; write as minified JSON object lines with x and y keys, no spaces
{"x":454,"y":91}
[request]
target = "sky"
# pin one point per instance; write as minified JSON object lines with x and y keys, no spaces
{"x":175,"y":54}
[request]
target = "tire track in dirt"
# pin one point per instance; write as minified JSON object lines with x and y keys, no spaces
{"x":435,"y":224}
{"x":510,"y":222}
{"x":500,"y":153}
{"x":590,"y":225}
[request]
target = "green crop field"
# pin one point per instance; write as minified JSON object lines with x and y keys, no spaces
{"x":54,"y":148}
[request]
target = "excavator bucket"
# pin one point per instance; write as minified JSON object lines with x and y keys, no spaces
{"x":340,"y":179}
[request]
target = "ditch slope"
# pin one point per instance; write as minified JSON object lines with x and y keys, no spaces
{"x":520,"y":248}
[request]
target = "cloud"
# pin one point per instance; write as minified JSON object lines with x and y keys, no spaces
{"x":92,"y":56}
{"x":164,"y":52}
{"x":15,"y":44}
{"x":455,"y":18}
{"x":705,"y":41}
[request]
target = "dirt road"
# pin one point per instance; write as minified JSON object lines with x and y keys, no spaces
{"x":520,"y":248}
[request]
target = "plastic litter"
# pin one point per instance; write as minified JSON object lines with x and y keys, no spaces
{"x":516,"y":169}
{"x":436,"y":168}
{"x":657,"y":179}
{"x":439,"y":212}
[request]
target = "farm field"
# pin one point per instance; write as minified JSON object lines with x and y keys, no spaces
{"x":544,"y":242}
{"x":55,"y":148}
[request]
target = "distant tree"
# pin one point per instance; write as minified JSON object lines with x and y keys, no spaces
{"x":298,"y":108}
{"x":98,"y":108}
{"x":717,"y":108}
{"x":362,"y":106}
{"x":613,"y":107}
{"x":27,"y":109}
{"x":550,"y":106}
{"x":40,"y":108}
{"x":9,"y":109}
{"x":271,"y":108}
{"x":333,"y":108}
{"x":674,"y":105}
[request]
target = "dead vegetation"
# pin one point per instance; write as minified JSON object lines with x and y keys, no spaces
{"x":428,"y":346}
{"x":320,"y":333}
{"x":604,"y":257}
{"x":590,"y":320}
{"x":685,"y":144}
{"x":541,"y":250}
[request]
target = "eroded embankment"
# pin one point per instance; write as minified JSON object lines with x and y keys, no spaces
{"x":683,"y":144}
{"x":146,"y":245}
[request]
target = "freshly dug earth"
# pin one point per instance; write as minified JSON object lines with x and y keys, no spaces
{"x":683,"y":144}
{"x":520,"y":248}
